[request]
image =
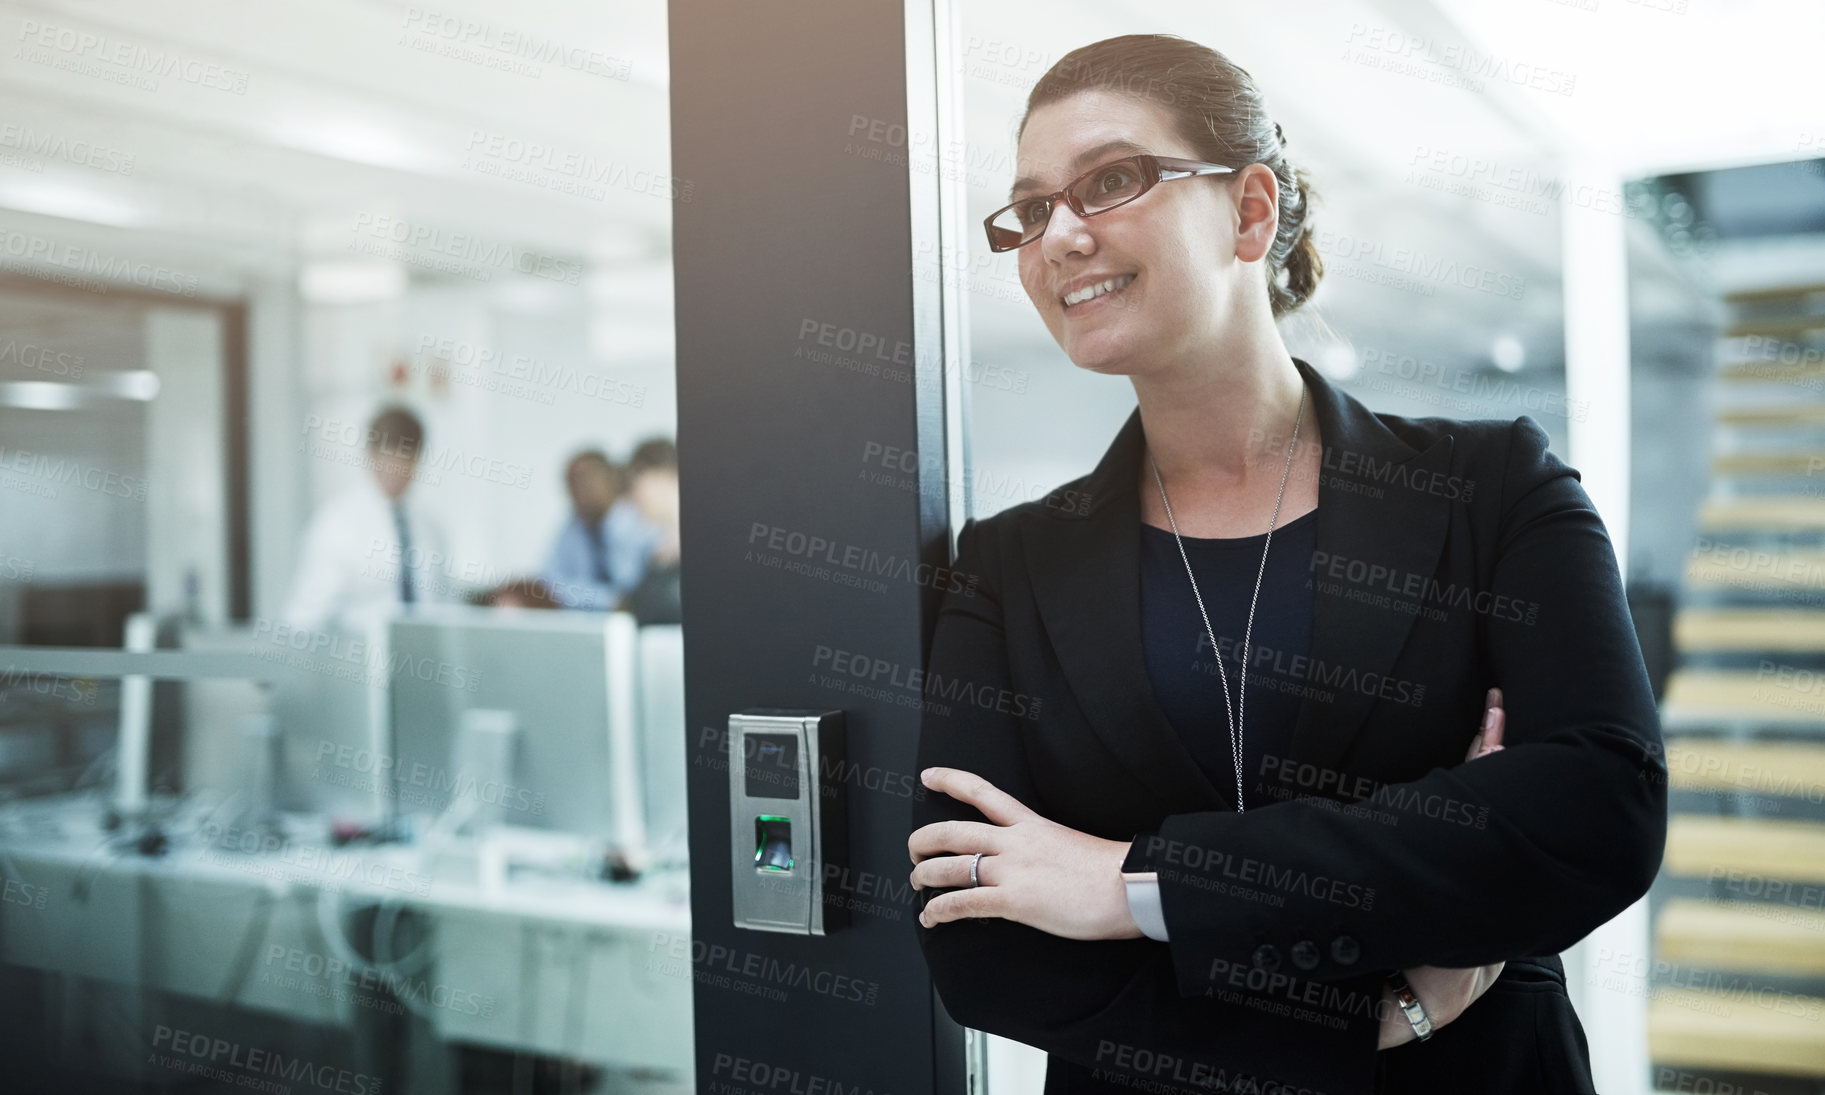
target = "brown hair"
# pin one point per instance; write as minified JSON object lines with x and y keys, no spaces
{"x":1216,"y":106}
{"x":617,"y":474}
{"x":396,"y":431}
{"x":653,"y":453}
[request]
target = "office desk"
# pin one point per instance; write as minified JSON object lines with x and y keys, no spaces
{"x":564,"y":967}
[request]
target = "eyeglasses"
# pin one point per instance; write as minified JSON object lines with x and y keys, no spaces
{"x":1097,"y":190}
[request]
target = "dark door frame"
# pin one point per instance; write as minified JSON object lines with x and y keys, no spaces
{"x":815,"y":500}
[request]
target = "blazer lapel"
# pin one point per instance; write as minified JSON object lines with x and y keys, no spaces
{"x":1381,"y":503}
{"x":1086,"y":575}
{"x":1085,"y":572}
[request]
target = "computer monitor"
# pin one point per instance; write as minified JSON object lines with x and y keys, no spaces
{"x":664,"y":760}
{"x":564,"y":682}
{"x":326,"y":696}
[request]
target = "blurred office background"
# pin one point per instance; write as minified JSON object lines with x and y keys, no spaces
{"x":230,"y":236}
{"x":440,"y":852}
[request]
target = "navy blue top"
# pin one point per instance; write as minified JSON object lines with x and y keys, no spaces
{"x":1182,"y":668}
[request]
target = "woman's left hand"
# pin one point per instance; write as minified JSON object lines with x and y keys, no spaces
{"x":1033,"y":871}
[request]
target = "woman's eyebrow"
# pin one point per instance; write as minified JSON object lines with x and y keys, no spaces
{"x":1086,"y":156}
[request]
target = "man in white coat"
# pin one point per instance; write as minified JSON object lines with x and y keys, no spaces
{"x":368,"y":551}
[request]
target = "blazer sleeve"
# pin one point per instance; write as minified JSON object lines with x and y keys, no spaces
{"x":1111,"y":1005}
{"x":1570,"y":818}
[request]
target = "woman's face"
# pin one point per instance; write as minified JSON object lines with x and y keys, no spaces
{"x":1179,"y":241}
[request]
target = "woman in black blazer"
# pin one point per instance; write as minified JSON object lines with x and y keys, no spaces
{"x":1433,"y":560}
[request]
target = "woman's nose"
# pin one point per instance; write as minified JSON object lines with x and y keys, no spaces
{"x":1065,"y":233}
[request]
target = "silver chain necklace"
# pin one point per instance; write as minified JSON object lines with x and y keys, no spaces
{"x":1235,"y":711}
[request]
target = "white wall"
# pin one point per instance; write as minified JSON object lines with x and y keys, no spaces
{"x":186,"y":486}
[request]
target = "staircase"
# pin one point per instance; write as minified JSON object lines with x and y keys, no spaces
{"x":1736,"y":985}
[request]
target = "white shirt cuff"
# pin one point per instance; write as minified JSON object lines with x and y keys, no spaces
{"x":1144,"y":906}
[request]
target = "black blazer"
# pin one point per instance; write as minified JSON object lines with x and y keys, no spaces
{"x":1451,"y":556}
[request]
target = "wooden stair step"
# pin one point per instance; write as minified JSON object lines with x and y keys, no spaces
{"x":1753,"y":569}
{"x":1804,"y":373}
{"x":1798,"y":412}
{"x":1740,"y":1030}
{"x":1775,"y":325}
{"x":1782,"y":768}
{"x":1784,"y":695}
{"x":1769,"y":848}
{"x":1749,"y":629}
{"x":1771,"y":512}
{"x":1741,"y":935}
{"x":1791,"y":462}
{"x":1774,"y":294}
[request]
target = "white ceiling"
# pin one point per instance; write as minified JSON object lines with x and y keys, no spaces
{"x":344,"y":121}
{"x":1370,"y":91}
{"x":329,"y":123}
{"x":1671,"y":85}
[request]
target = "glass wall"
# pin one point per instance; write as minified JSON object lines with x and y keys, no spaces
{"x":1500,"y":236}
{"x":1437,"y":298}
{"x":341,"y":701}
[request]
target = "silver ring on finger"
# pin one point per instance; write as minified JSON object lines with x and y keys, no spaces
{"x":975,"y":880}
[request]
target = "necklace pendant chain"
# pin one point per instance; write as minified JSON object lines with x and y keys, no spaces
{"x":1235,"y":711}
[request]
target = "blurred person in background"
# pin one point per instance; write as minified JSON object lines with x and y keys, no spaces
{"x":601,"y":552}
{"x":370,"y":550}
{"x":653,"y":489}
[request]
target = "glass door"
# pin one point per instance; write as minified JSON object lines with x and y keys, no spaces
{"x":342,"y":737}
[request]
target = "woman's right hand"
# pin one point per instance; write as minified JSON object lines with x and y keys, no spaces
{"x":1489,"y":737}
{"x":1447,"y":993}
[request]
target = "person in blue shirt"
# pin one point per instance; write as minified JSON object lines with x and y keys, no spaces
{"x":602,"y":551}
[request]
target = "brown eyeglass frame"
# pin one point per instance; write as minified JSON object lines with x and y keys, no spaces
{"x":1153,"y":170}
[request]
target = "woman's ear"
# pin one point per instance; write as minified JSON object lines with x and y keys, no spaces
{"x":1257,"y":211}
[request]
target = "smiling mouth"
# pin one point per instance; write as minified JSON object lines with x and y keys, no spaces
{"x":1109,"y":287}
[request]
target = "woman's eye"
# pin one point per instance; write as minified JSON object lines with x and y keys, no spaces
{"x":1032,"y":213}
{"x":1112,"y":181}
